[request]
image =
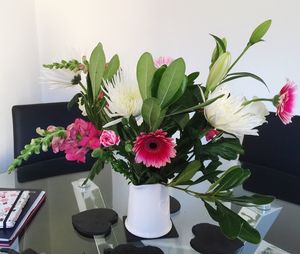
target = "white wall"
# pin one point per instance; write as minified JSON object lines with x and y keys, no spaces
{"x":18,"y":70}
{"x":175,"y":28}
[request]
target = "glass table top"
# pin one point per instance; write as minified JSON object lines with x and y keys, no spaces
{"x":51,"y":230}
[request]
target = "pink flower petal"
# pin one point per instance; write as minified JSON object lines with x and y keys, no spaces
{"x":154,"y":149}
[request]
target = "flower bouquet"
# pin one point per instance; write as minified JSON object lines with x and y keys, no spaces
{"x":164,"y":128}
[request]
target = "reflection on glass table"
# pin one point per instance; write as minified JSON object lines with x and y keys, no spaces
{"x":90,"y":197}
{"x":51,"y":230}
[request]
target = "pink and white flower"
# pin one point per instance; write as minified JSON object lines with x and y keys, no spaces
{"x":285,"y":102}
{"x":162,"y":60}
{"x":109,"y":138}
{"x":154,"y":149}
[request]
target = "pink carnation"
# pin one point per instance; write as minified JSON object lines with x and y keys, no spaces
{"x":286,"y":102}
{"x":154,"y":149}
{"x":162,"y":60}
{"x":109,"y":138}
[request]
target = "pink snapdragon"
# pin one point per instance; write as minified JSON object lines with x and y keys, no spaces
{"x":154,"y":149}
{"x":285,"y":102}
{"x":162,"y":60}
{"x":109,"y":138}
{"x":81,"y":136}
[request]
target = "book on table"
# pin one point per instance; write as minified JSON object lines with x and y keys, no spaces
{"x":17,"y":208}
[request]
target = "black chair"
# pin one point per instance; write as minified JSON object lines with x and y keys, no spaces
{"x":273,"y":158}
{"x":26,"y":118}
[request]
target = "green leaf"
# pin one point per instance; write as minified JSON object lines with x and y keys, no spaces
{"x":232,"y":177}
{"x":192,"y":77}
{"x":156,"y":79}
{"x":227,"y":148}
{"x":237,"y":75}
{"x":199,"y":106}
{"x":98,"y":153}
{"x":171,"y":82}
{"x":259,"y":32}
{"x":230,"y":222}
{"x":151,"y":113}
{"x":249,"y":233}
{"x":207,"y":177}
{"x":144,"y":71}
{"x":187,"y":173}
{"x":248,"y":200}
{"x":96,"y":69}
{"x":220,"y":42}
{"x":181,"y":90}
{"x":212,"y":212}
{"x":182,"y":120}
{"x":112,"y":68}
{"x":73,"y":100}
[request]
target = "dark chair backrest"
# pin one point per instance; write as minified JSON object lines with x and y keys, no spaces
{"x":26,"y":118}
{"x":274,"y":159}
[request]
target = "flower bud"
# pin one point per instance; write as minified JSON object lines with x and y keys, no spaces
{"x":218,"y":71}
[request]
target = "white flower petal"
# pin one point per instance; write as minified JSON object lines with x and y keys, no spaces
{"x":229,"y":114}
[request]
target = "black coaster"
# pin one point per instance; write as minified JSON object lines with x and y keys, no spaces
{"x":131,"y":249}
{"x":94,"y":222}
{"x":133,"y":238}
{"x":174,"y":205}
{"x":209,"y":239}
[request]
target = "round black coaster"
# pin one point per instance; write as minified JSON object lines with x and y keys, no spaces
{"x":209,"y":239}
{"x":94,"y":222}
{"x":130,"y":249}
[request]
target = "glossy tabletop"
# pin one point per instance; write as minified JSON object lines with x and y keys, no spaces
{"x":51,"y":230}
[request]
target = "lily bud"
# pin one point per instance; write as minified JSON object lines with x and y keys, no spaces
{"x":218,"y":71}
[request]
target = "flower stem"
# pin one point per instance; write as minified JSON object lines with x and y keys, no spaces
{"x":239,"y":57}
{"x":257,"y":99}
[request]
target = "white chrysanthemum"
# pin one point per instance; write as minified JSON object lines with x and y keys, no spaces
{"x":230,"y":115}
{"x":123,"y":97}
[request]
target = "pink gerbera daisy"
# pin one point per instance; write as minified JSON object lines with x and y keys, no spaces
{"x":154,"y":149}
{"x":285,"y":102}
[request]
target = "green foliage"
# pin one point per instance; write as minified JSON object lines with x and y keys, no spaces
{"x":72,"y":65}
{"x":171,"y":82}
{"x":35,"y":146}
{"x":112,"y":68}
{"x":144,"y":71}
{"x":96,"y":69}
{"x":186,"y":174}
{"x":237,"y":75}
{"x":152,"y":113}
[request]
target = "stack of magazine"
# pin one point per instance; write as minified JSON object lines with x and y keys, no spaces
{"x":17,"y":208}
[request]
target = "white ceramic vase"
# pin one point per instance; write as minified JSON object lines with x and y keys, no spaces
{"x":148,"y":212}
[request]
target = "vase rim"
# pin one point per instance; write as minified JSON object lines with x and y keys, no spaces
{"x":143,"y":185}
